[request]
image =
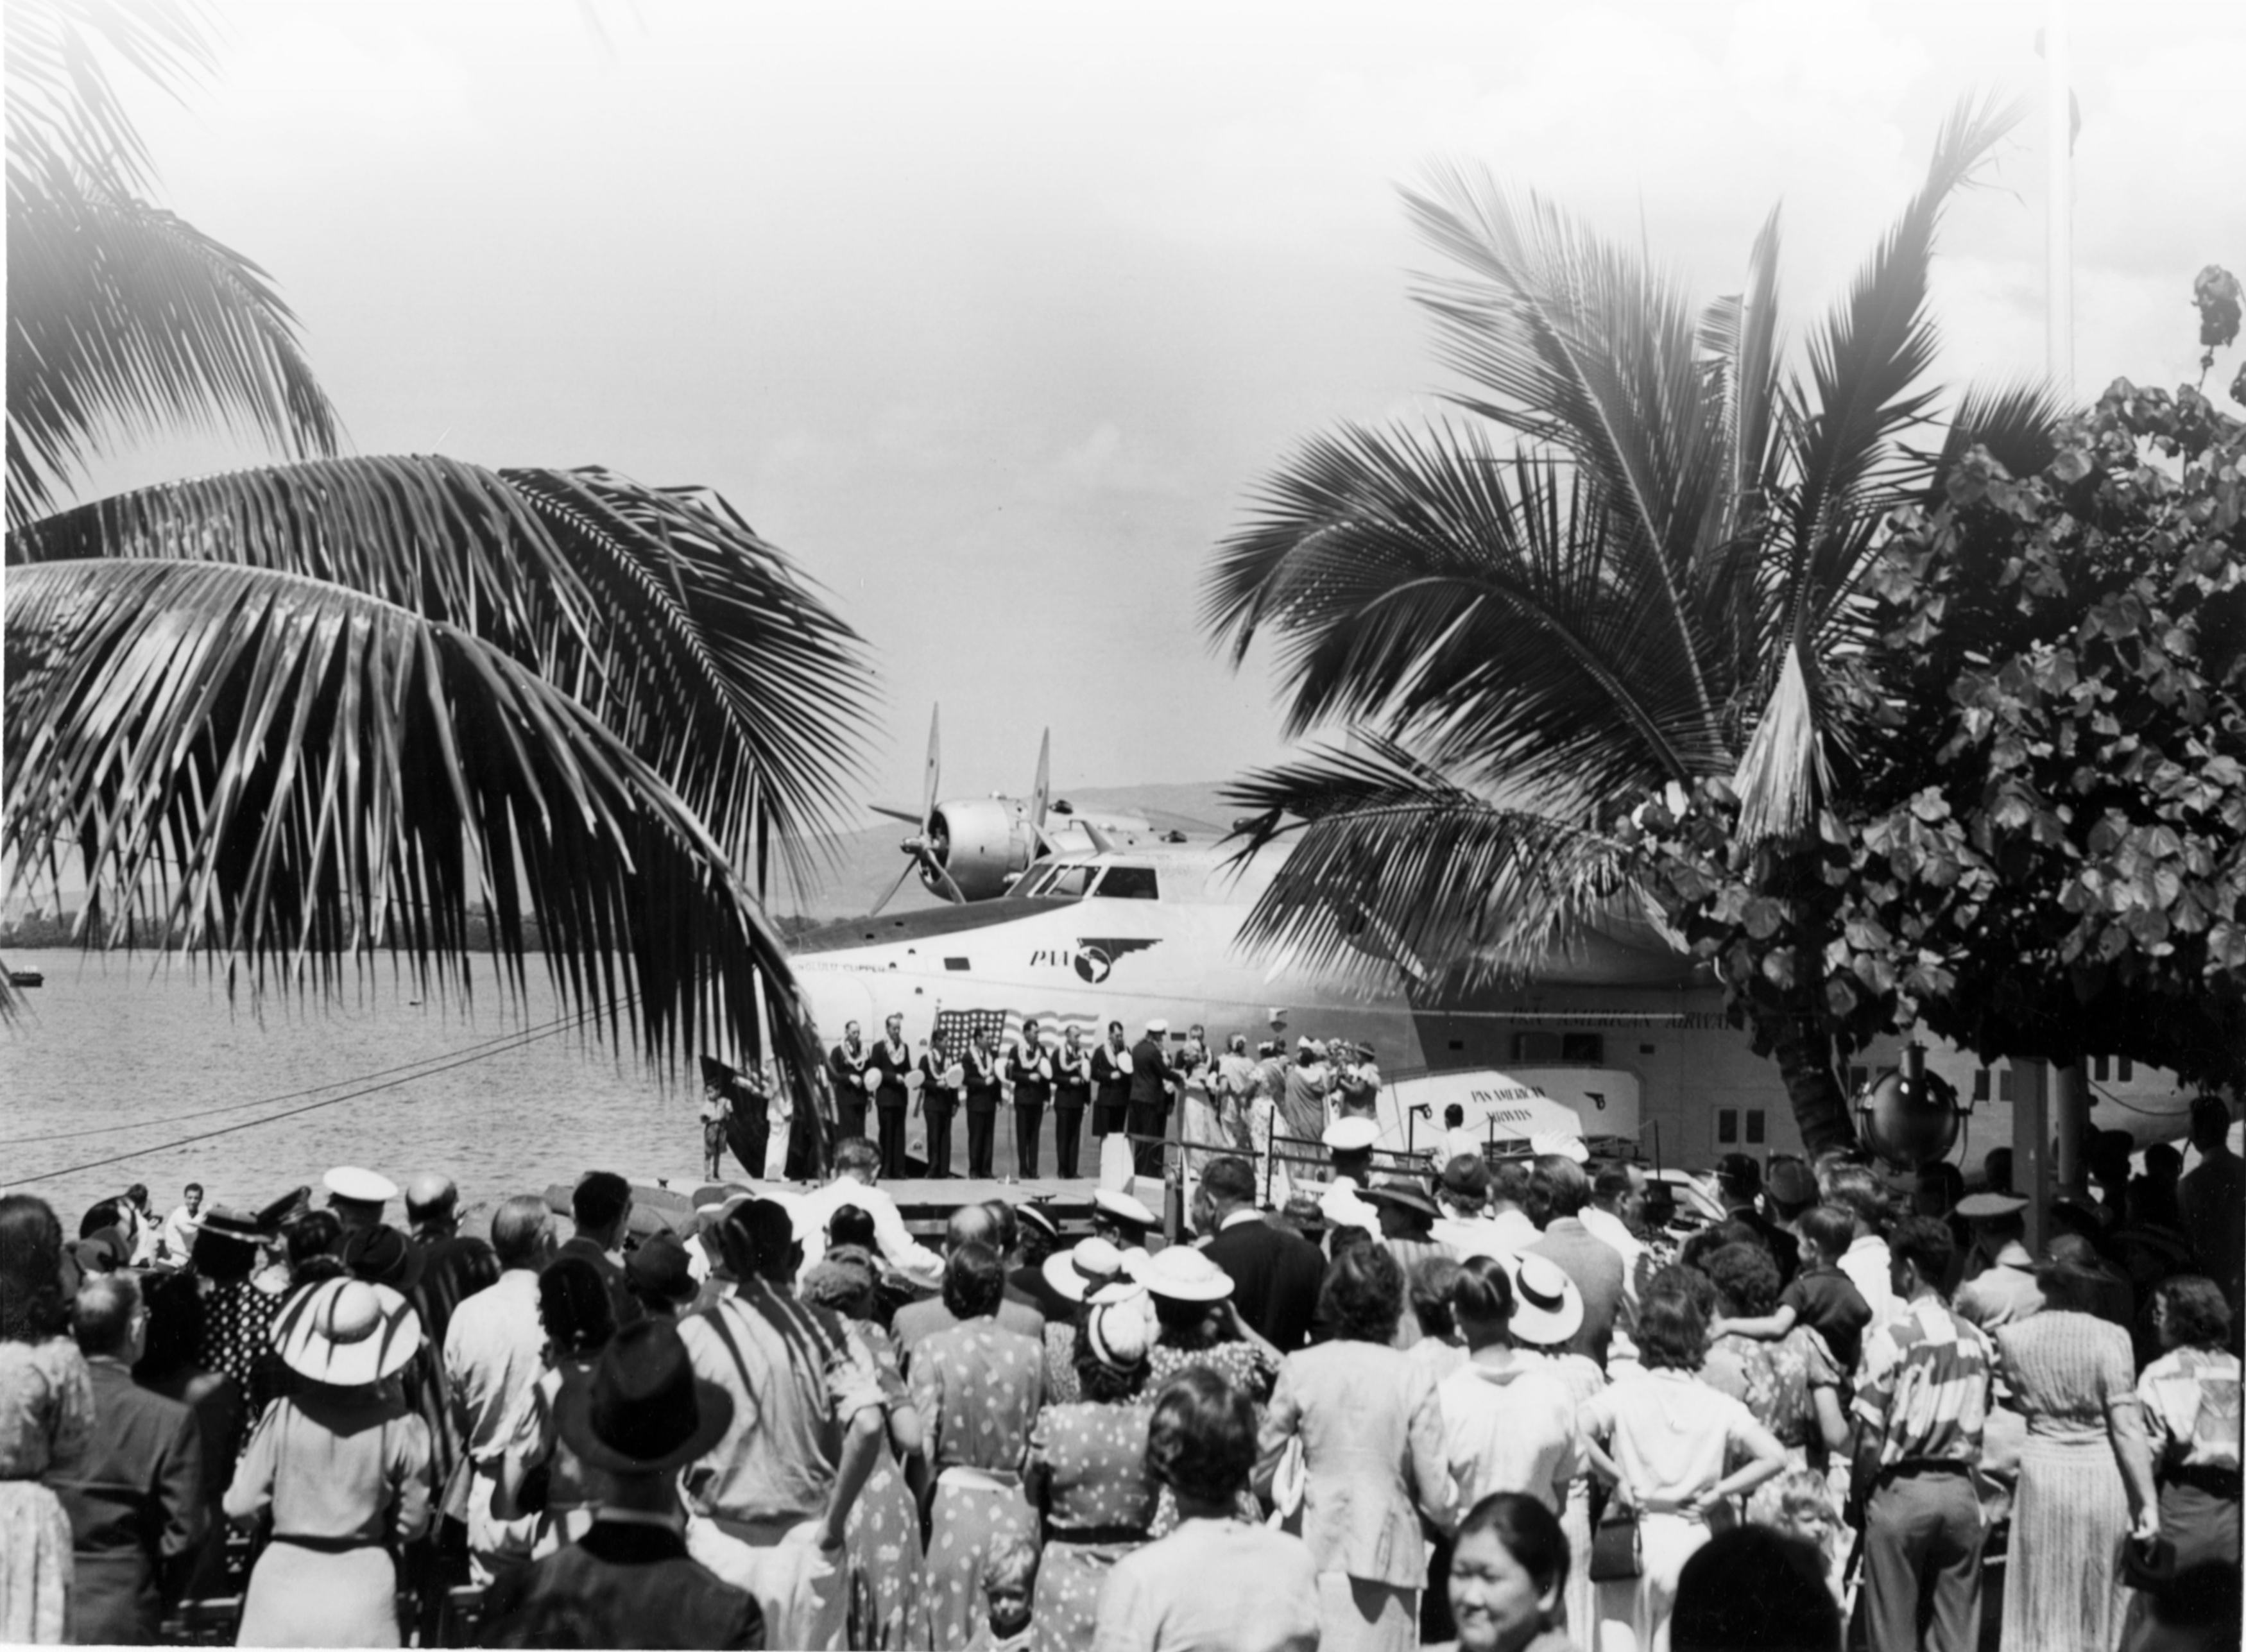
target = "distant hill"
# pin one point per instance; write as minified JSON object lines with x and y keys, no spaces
{"x":864,"y":863}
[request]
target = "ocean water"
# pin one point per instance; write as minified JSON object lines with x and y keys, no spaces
{"x":119,"y":1051}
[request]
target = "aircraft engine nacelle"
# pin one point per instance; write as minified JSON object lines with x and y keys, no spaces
{"x":983,"y":844}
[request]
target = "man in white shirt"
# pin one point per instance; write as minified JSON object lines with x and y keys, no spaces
{"x":494,"y":1355}
{"x":1866,"y":1263}
{"x":857,"y":1174}
{"x":175,"y":1242}
{"x":1458,"y":1141}
{"x":1606,"y":1217}
{"x":1349,"y":1141}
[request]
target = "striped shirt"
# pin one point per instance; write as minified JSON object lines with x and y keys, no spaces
{"x":1923,"y":1390}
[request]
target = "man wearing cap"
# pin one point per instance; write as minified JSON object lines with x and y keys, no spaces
{"x":1072,"y":1094}
{"x":1039,"y":1235}
{"x":778,"y":1487}
{"x":1275,"y":1274}
{"x":1349,"y":1146}
{"x":942,"y":1079}
{"x":135,"y":1498}
{"x":857,"y":1181}
{"x":1739,"y":1185}
{"x":493,"y":1353}
{"x":358,"y":1195}
{"x":1123,"y":1220}
{"x":1028,"y":1069}
{"x":1111,"y":1084}
{"x":845,"y":1067}
{"x":1150,"y":1097}
{"x":630,"y":1580}
{"x":1407,"y":1217}
{"x":2006,"y":1289}
{"x":890,"y":1073}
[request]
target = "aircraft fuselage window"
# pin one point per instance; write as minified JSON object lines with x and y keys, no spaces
{"x":1129,"y":883}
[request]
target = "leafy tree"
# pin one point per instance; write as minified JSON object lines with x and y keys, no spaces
{"x":1631,"y":567}
{"x":297,"y":715}
{"x":2044,"y":851}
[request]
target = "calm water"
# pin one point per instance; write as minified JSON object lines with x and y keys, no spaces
{"x":118,"y":1048}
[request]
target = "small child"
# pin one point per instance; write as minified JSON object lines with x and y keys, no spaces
{"x":1799,"y":1503}
{"x":1010,"y":1576}
{"x":1820,"y":1297}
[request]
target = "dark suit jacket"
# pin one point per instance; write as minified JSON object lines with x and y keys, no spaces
{"x":135,"y":1502}
{"x":982,"y":1081}
{"x":620,"y":1297}
{"x":1276,"y":1276}
{"x":1150,"y":1065}
{"x":624,"y":1585}
{"x":893,"y":1069}
{"x":1031,"y":1088}
{"x":1111,"y":1083}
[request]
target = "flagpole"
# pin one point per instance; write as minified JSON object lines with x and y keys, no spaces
{"x":2058,"y":206}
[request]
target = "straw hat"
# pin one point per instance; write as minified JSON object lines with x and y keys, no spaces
{"x":1076,"y":1274}
{"x":1117,"y":1336}
{"x":1185,"y":1275}
{"x":1546,"y":1307}
{"x":642,"y":1410}
{"x":346,"y":1332}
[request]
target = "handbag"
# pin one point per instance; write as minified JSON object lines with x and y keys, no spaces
{"x":1614,"y":1555}
{"x":2149,"y":1565}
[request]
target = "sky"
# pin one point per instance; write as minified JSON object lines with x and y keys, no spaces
{"x":994,"y":317}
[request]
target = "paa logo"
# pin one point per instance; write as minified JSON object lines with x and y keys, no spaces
{"x":1093,"y":957}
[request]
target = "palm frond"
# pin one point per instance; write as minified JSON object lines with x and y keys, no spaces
{"x":1478,"y":599}
{"x":1392,"y":865}
{"x":65,"y":118}
{"x":1578,"y":342}
{"x":2015,"y":421}
{"x":124,"y":318}
{"x":284,"y":777}
{"x":659,"y":610}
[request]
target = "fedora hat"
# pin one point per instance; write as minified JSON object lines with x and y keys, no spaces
{"x":1546,"y":1307}
{"x":346,"y":1332}
{"x":660,"y":1270}
{"x":1185,"y":1275}
{"x":1403,"y":1193}
{"x":642,"y":1410}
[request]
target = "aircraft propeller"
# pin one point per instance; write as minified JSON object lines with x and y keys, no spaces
{"x":928,"y":846}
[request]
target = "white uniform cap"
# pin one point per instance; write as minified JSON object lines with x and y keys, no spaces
{"x":1157,"y":1025}
{"x":1123,"y":1207}
{"x":349,"y":1182}
{"x":1351,"y":1135}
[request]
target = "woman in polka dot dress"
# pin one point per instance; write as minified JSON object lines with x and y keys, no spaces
{"x":977,"y":1388}
{"x":1088,"y":1472}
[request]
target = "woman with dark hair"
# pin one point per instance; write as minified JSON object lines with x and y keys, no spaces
{"x":238,"y":1316}
{"x":167,"y":1366}
{"x":887,"y":1564}
{"x":2190,"y":1396}
{"x":2085,"y":1470}
{"x":1217,"y":1581}
{"x":1373,"y":1457}
{"x":46,"y":1408}
{"x":1663,"y":1438}
{"x":538,"y":1474}
{"x":977,"y":1388}
{"x":1087,"y":1475}
{"x":1508,"y":1569}
{"x":1548,"y":1310}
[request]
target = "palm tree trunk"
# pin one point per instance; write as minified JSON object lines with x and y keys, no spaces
{"x":1803,"y":1054}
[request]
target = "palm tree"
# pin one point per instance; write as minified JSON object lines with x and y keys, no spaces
{"x":292,"y":716}
{"x":1630,"y":570}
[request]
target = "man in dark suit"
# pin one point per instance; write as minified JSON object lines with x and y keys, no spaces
{"x":1150,"y":1097}
{"x":135,"y":1497}
{"x":1275,"y":1275}
{"x":1111,"y":1084}
{"x":846,"y":1066}
{"x":892,"y":1065}
{"x":982,"y":1066}
{"x":1029,"y":1069}
{"x":601,"y":1206}
{"x":940,"y":1079}
{"x":629,"y":1581}
{"x":1072,"y":1094}
{"x":1739,"y":1184}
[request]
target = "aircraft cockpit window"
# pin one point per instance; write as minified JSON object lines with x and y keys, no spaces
{"x":1035,"y":883}
{"x":1066,"y":883}
{"x":1129,"y":883}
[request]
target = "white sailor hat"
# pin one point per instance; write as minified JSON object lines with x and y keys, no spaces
{"x":349,"y":1182}
{"x":1123,"y":1208}
{"x":1351,"y":1135}
{"x":1031,"y":1216}
{"x":1157,"y":1025}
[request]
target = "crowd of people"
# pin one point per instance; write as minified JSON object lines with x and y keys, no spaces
{"x":1499,"y":1406}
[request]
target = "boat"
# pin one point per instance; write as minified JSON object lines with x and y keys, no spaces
{"x":27,"y":977}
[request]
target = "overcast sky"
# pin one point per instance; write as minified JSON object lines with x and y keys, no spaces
{"x":993,"y":317}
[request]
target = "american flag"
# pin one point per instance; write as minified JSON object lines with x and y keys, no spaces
{"x":1004,"y":1026}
